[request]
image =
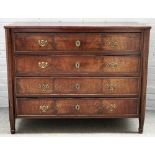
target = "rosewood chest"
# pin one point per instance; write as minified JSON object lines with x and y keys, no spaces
{"x":77,"y":71}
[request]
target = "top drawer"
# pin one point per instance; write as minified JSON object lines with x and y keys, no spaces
{"x":77,"y":42}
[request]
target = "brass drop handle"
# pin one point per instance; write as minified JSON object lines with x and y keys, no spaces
{"x":42,"y":43}
{"x":44,"y":108}
{"x":77,"y":107}
{"x":42,"y":64}
{"x":111,"y":65}
{"x":111,"y":107}
{"x":111,"y":87}
{"x":77,"y":86}
{"x":44,"y":87}
{"x":77,"y":65}
{"x":77,"y":43}
{"x":113,"y":43}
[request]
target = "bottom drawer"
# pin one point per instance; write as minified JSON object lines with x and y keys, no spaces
{"x":76,"y":107}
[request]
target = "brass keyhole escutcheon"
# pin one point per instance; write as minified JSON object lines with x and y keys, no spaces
{"x":44,"y":87}
{"x":42,"y":43}
{"x":42,"y":64}
{"x":44,"y":108}
{"x":77,"y":107}
{"x":77,"y":43}
{"x":77,"y":65}
{"x":77,"y":86}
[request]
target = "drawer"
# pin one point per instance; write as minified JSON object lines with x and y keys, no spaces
{"x":33,"y":42}
{"x":77,"y":86}
{"x":84,"y":65}
{"x":77,"y":42}
{"x":121,"y":42}
{"x":75,"y":106}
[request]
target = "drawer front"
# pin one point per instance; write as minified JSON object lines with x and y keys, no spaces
{"x":121,"y":42}
{"x":77,"y":86}
{"x":33,"y":42}
{"x":77,"y":41}
{"x":76,"y":107}
{"x":50,"y":65}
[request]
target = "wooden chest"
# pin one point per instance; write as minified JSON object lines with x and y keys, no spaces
{"x":77,"y":71}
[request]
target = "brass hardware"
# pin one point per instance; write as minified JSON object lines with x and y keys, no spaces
{"x":77,"y":107}
{"x":112,"y":65}
{"x":111,"y":87}
{"x":111,"y":107}
{"x":42,"y":64}
{"x":43,"y":108}
{"x":77,"y":43}
{"x":77,"y":65}
{"x":44,"y":87}
{"x":77,"y":86}
{"x":42,"y":43}
{"x":113,"y":43}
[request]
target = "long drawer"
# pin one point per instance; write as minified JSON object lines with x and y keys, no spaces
{"x":69,"y":64}
{"x":78,"y":86}
{"x":77,"y":42}
{"x":76,"y":107}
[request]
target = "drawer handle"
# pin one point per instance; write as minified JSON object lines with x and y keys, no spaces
{"x":77,"y":43}
{"x":111,"y":87}
{"x":112,"y":65}
{"x":77,"y":107}
{"x":42,"y":64}
{"x":43,"y":43}
{"x":77,"y":65}
{"x":44,"y":108}
{"x":111,"y":107}
{"x":44,"y":87}
{"x":77,"y":86}
{"x":113,"y":43}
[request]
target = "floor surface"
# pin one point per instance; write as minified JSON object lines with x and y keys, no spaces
{"x":77,"y":127}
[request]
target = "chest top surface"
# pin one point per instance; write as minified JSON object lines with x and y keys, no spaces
{"x":80,"y":25}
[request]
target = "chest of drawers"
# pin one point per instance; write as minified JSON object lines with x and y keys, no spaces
{"x":77,"y":71}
